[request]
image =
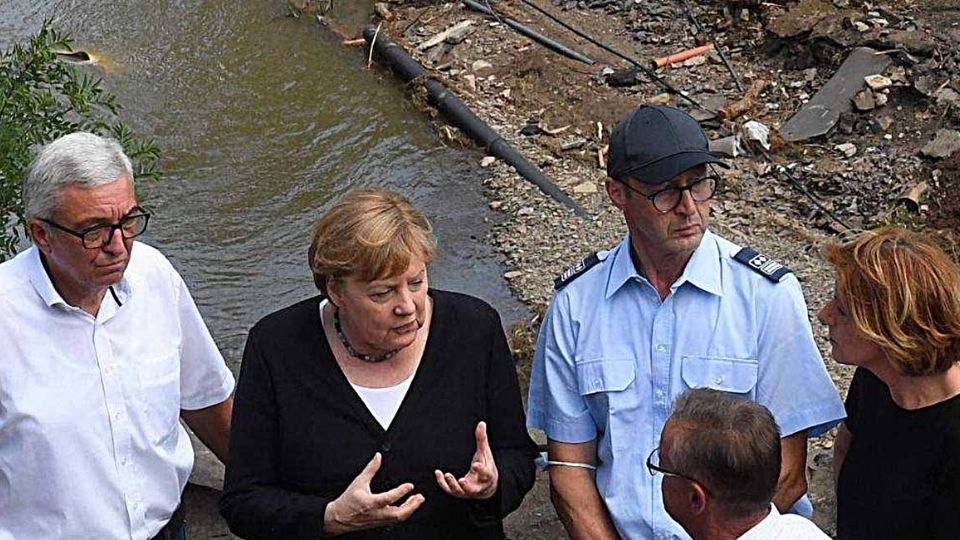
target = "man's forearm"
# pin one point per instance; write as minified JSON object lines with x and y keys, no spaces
{"x":793,"y":472}
{"x":578,"y":503}
{"x":212,"y":426}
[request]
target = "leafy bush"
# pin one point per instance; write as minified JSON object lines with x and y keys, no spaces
{"x":41,"y":99}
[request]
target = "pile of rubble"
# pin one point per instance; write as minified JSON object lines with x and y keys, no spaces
{"x":834,"y":116}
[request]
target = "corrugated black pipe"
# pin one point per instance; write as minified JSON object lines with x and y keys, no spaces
{"x":461,"y":116}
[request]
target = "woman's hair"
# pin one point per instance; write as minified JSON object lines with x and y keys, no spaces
{"x":369,"y":234}
{"x":902,"y":292}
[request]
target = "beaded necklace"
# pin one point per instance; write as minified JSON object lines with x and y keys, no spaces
{"x":369,"y":358}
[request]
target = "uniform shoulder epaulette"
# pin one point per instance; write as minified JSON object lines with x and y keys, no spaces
{"x":761,"y":264}
{"x":576,"y":271}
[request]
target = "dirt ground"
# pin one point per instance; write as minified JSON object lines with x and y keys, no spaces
{"x":558,"y":113}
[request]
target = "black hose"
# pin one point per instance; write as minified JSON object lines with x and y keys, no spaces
{"x":620,"y":55}
{"x":539,"y":38}
{"x":461,"y":116}
{"x":716,"y":46}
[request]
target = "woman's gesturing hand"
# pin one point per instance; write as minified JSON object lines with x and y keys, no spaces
{"x":358,"y":508}
{"x":481,"y":481}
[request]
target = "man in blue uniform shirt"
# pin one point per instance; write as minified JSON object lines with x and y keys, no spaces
{"x":672,"y":307}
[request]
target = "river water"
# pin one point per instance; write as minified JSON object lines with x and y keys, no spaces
{"x":263,"y":119}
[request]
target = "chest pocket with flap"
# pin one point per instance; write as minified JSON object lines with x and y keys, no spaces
{"x":605,"y":375}
{"x":735,"y":375}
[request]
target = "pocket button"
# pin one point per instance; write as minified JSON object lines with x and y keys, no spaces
{"x":719,"y":379}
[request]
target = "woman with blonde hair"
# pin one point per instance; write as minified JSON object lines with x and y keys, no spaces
{"x":381,"y":408}
{"x":896,"y":316}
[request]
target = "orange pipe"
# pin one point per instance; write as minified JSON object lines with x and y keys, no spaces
{"x":683,"y":55}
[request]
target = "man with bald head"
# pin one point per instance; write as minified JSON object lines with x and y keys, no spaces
{"x":103,"y":352}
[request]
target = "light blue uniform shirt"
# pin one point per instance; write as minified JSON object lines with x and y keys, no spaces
{"x":612,"y":356}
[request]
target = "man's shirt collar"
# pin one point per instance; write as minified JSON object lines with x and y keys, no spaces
{"x":703,"y":270}
{"x":40,"y":279}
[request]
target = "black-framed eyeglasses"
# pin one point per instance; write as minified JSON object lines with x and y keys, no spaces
{"x":653,"y":467}
{"x":98,"y":236}
{"x":665,"y":200}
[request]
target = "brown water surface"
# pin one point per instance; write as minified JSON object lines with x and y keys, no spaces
{"x":263,"y":119}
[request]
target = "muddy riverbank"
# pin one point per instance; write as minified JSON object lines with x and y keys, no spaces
{"x":559,"y":113}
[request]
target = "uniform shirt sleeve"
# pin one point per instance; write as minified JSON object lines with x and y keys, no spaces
{"x":555,"y":404}
{"x":204,"y":378}
{"x":794,"y":383}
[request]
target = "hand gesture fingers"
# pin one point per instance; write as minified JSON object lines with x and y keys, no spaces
{"x":449,"y":484}
{"x":368,"y":472}
{"x":382,"y":500}
{"x":481,"y":481}
{"x":359,"y":508}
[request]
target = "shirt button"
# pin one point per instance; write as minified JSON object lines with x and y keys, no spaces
{"x":596,"y":382}
{"x":385,"y":447}
{"x":124,"y":462}
{"x":117,"y":415}
{"x":660,"y":394}
{"x":661,"y":347}
{"x":719,"y":379}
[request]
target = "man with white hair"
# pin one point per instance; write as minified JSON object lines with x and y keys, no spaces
{"x":102,"y":351}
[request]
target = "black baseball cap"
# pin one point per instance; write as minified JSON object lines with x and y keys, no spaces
{"x":656,"y":143}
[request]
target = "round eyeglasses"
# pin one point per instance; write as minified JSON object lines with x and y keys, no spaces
{"x":98,"y":236}
{"x":666,"y":199}
{"x":653,"y":467}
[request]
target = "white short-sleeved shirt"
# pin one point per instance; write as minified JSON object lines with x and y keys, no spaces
{"x":612,"y":356}
{"x":777,"y":526}
{"x":90,"y":440}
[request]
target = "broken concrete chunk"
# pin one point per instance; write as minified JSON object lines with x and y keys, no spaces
{"x":659,"y":99}
{"x":480,"y":65}
{"x":947,"y":96}
{"x":877,"y":82}
{"x":864,"y":101}
{"x":885,"y":122}
{"x":471,"y":82}
{"x":585,"y":187}
{"x":818,"y":116}
{"x":881,"y":99}
{"x":861,"y":27}
{"x":695,"y":61}
{"x":943,"y":145}
{"x":800,"y":18}
{"x":926,"y":84}
{"x":915,"y":42}
{"x":848,"y":149}
{"x":487,"y":161}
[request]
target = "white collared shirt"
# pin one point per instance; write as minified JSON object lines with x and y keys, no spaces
{"x":784,"y":526}
{"x":90,"y":440}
